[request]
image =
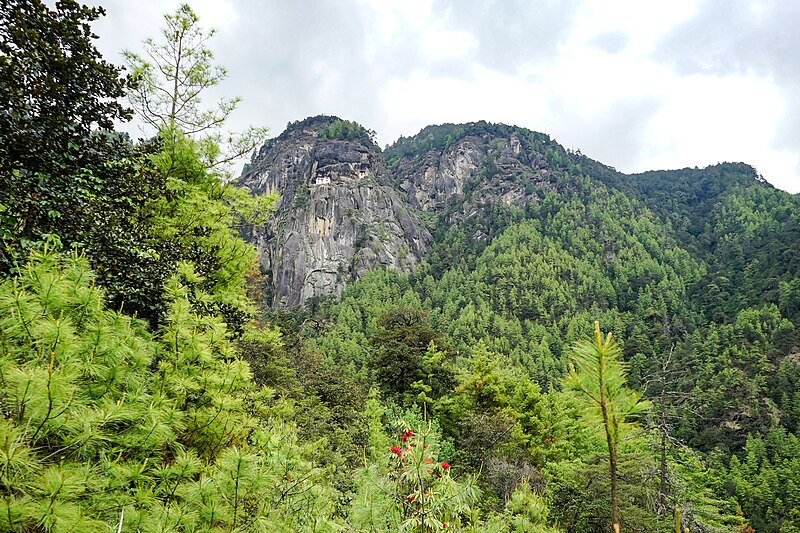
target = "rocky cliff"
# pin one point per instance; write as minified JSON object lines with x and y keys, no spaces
{"x":338,"y":215}
{"x":475,"y":179}
{"x":472,"y":165}
{"x":346,"y":207}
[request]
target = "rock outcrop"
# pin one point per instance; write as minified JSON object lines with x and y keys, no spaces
{"x":458,"y":168}
{"x":344,"y":210}
{"x":338,"y":214}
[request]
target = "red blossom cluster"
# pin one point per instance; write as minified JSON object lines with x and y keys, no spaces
{"x":445,"y":465}
{"x":397,"y":451}
{"x":406,"y":435}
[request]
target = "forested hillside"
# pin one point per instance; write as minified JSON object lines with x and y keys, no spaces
{"x":693,"y":270}
{"x":471,"y":330}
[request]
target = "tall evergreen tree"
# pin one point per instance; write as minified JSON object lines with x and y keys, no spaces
{"x":104,"y":423}
{"x":170,"y":82}
{"x":600,"y":376}
{"x":62,"y":171}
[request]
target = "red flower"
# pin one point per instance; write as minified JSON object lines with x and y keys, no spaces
{"x":444,"y":525}
{"x":396,"y":450}
{"x":411,"y":498}
{"x":445,"y":465}
{"x":404,"y":437}
{"x":410,"y":433}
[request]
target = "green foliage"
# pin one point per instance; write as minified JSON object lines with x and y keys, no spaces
{"x":732,"y":376}
{"x":193,"y":223}
{"x":168,"y":85}
{"x":600,"y":377}
{"x":103,"y":422}
{"x":598,"y":246}
{"x":408,"y":363}
{"x":112,"y":423}
{"x":528,"y":511}
{"x":506,"y":428}
{"x":54,"y":85}
{"x":579,"y":495}
{"x":439,"y":138}
{"x":354,"y":319}
{"x":765,"y":481}
{"x":347,"y":130}
{"x":409,"y":489}
{"x":58,"y":175}
{"x":728,"y":216}
{"x":135,"y":211}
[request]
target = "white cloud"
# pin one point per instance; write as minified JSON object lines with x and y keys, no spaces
{"x":438,"y":43}
{"x":637,"y":85}
{"x":711,"y":119}
{"x":644,"y":23}
{"x":420,"y":100}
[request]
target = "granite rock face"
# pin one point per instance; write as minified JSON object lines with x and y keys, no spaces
{"x":475,"y":166}
{"x":430,"y":181}
{"x":344,"y":210}
{"x":338,"y":214}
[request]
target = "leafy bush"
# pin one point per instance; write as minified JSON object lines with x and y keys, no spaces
{"x":105,"y":423}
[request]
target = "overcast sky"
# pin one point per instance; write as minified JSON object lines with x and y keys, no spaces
{"x":639,"y":85}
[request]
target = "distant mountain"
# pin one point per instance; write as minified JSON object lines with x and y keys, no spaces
{"x":502,"y":242}
{"x":347,"y":207}
{"x":339,"y":214}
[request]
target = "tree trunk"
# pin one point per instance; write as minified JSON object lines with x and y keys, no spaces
{"x":612,"y":460}
{"x":662,"y":488}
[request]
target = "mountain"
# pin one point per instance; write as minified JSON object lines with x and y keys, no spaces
{"x":471,"y":330}
{"x":338,"y":214}
{"x":501,"y":247}
{"x":729,"y":217}
{"x":346,"y":207}
{"x":493,"y":163}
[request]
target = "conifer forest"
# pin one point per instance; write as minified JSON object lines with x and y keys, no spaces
{"x":472,"y":329}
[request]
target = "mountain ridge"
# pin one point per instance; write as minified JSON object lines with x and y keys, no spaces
{"x":444,"y":177}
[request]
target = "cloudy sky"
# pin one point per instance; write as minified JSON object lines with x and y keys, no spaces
{"x":636,"y":85}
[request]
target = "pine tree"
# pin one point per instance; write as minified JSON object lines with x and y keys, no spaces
{"x":600,"y":376}
{"x":104,"y":423}
{"x":170,"y":81}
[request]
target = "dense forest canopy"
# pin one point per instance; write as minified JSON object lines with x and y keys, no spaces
{"x":595,"y":352}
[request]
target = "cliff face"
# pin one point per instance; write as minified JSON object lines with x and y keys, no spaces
{"x":346,"y":207}
{"x":338,"y":214}
{"x":466,"y":173}
{"x":343,"y":211}
{"x":475,"y":164}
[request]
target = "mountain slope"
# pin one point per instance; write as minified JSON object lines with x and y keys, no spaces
{"x":346,"y":207}
{"x":513,"y":247}
{"x":338,"y":215}
{"x":728,"y":216}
